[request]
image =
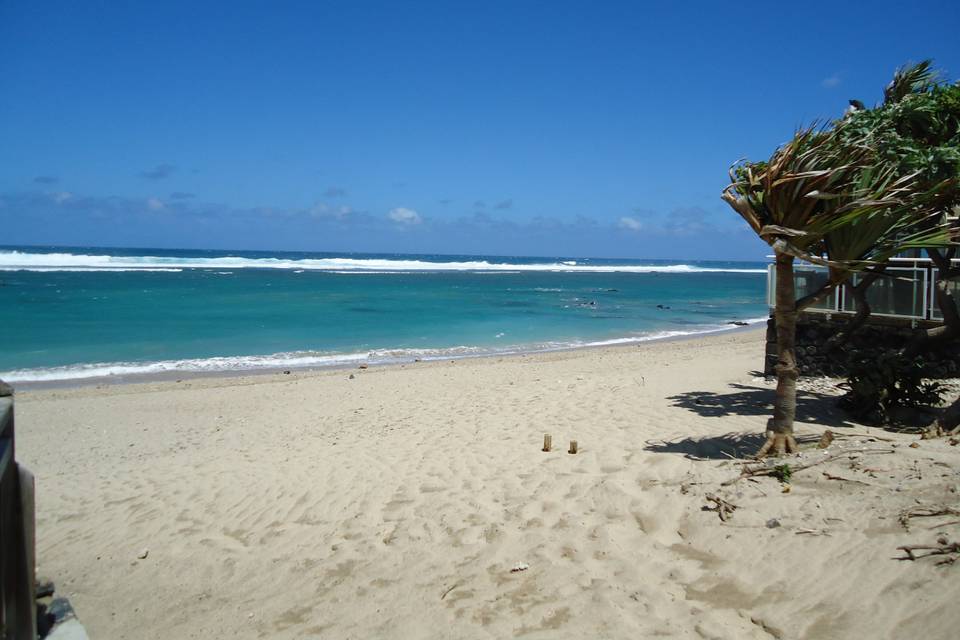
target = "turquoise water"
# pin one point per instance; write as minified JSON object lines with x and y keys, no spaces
{"x":80,"y":312}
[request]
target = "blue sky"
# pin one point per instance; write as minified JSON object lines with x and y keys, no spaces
{"x":548,"y":128}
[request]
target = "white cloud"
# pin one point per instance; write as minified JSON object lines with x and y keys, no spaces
{"x":831,"y":82}
{"x":402,"y":215}
{"x":323,"y":210}
{"x":631,"y":224}
{"x":154,"y":204}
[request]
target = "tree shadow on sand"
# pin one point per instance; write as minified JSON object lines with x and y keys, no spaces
{"x":812,"y":408}
{"x":729,"y":445}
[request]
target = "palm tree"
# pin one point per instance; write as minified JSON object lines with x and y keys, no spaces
{"x":826,"y":198}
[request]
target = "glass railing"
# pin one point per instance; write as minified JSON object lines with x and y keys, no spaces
{"x":954,"y":287}
{"x":807,"y":279}
{"x":901,"y":292}
{"x":905,"y":291}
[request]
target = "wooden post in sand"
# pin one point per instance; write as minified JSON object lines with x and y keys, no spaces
{"x":547,"y":442}
{"x":573,"y":446}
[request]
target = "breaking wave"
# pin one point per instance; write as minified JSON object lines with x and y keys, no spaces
{"x":312,"y":360}
{"x":26,"y":261}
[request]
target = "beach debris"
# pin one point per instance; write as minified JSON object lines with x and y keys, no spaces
{"x":825,"y":440}
{"x":812,"y":532}
{"x":286,"y":372}
{"x":777,"y":472}
{"x":451,"y":588}
{"x":723,"y":508}
{"x":914,"y":445}
{"x":547,"y":442}
{"x":926,"y":511}
{"x":773,"y":523}
{"x":351,"y":377}
{"x":520,"y":566}
{"x":782,"y":472}
{"x":363,"y":366}
{"x":738,"y":323}
{"x":942,"y":548}
{"x":143,"y":554}
{"x":573,"y":447}
{"x":830,"y":476}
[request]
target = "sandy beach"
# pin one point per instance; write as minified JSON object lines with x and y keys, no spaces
{"x":397,"y":502}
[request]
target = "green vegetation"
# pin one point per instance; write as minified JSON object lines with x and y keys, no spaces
{"x":783,"y":473}
{"x":849,"y":196}
{"x":877,"y":385}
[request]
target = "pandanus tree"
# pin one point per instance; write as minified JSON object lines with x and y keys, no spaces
{"x":916,"y":130}
{"x":831,"y":204}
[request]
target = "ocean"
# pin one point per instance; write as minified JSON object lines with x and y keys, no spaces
{"x":81,"y":312}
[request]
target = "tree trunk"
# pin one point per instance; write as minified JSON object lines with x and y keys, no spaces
{"x":949,"y":421}
{"x":780,"y":428}
{"x":950,"y":329}
{"x":947,"y":424}
{"x":859,"y":294}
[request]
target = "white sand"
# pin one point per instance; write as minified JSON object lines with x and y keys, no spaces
{"x":395,"y":504}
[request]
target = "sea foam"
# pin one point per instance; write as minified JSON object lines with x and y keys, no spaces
{"x":27,"y":261}
{"x":311,"y":360}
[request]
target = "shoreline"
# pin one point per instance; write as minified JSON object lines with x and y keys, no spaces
{"x":267,"y":370}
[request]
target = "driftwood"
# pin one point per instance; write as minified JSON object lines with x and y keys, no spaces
{"x":812,"y":532}
{"x":925,"y":512}
{"x":868,"y":436}
{"x":830,"y":476}
{"x":777,"y":470}
{"x":932,"y":550}
{"x":825,"y":439}
{"x":723,"y":508}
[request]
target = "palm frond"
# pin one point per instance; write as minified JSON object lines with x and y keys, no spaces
{"x":915,"y":78}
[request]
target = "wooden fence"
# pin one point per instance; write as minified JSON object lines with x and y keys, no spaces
{"x":18,"y":614}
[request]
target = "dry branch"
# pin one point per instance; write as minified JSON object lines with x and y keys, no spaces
{"x":830,"y":476}
{"x":773,"y":471}
{"x":924,"y":512}
{"x":724,"y":509}
{"x":932,"y":550}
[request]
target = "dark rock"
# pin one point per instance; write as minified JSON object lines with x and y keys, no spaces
{"x":45,"y":588}
{"x":738,"y":323}
{"x":60,"y":610}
